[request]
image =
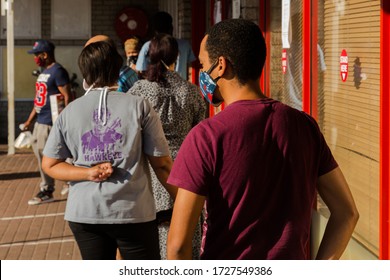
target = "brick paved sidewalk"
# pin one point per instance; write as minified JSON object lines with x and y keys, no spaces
{"x":27,"y":232}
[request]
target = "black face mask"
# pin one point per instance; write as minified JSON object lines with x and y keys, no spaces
{"x":132,"y":59}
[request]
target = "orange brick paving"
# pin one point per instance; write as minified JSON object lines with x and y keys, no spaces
{"x":30,"y":232}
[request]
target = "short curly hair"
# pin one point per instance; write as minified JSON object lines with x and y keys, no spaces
{"x":241,"y":42}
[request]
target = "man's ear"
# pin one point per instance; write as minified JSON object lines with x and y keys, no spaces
{"x":222,"y":65}
{"x":225,"y":68}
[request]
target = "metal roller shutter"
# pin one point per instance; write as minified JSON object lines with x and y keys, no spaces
{"x":349,"y":111}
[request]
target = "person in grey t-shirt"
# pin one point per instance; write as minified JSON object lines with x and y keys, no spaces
{"x":110,"y":136}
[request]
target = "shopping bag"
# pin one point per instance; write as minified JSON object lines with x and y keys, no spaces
{"x":23,"y":140}
{"x":57,"y":104}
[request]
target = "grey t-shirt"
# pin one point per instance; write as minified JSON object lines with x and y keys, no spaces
{"x":123,"y":134}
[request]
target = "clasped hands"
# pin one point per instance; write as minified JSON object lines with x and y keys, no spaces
{"x":100,"y":172}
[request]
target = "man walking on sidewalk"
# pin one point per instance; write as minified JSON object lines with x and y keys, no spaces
{"x":54,"y":79}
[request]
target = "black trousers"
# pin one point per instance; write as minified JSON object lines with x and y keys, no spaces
{"x":99,"y":241}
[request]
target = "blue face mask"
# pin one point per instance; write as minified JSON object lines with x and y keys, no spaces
{"x":208,"y":85}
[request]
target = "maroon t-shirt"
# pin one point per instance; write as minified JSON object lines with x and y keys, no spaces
{"x":257,"y":162}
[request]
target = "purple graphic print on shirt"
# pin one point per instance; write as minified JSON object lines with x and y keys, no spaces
{"x":103,"y":142}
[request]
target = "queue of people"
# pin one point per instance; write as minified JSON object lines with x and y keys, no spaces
{"x":152,"y":177}
{"x":180,"y":107}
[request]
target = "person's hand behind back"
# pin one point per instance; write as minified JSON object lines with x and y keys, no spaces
{"x":100,"y":172}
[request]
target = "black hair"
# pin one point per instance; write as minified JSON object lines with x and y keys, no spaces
{"x":100,"y":64}
{"x":163,"y":49}
{"x":161,"y":22}
{"x":242,"y":44}
{"x":50,"y":52}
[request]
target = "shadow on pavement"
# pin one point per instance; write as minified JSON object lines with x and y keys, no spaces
{"x":23,"y":175}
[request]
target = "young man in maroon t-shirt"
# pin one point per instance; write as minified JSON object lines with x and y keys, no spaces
{"x":258,"y":165}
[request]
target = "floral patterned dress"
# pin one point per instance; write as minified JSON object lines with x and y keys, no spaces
{"x":180,"y":107}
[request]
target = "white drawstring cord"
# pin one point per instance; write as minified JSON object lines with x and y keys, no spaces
{"x":89,"y":89}
{"x":102,"y":102}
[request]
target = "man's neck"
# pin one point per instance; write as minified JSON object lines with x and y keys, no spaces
{"x":50,"y":63}
{"x":236,"y":92}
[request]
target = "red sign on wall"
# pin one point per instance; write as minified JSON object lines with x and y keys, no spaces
{"x":284,"y":61}
{"x":344,"y":65}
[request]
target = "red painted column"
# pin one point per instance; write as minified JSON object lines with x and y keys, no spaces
{"x":212,"y":109}
{"x":384,"y":198}
{"x":314,"y":59}
{"x":306,"y":56}
{"x":264,"y":24}
{"x":198,"y":29}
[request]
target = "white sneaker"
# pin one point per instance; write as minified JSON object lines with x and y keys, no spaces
{"x":65,"y":189}
{"x":42,"y":197}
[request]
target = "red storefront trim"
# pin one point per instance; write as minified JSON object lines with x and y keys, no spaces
{"x":384,"y":200}
{"x":306,"y":56}
{"x":212,"y":2}
{"x":264,"y":23}
{"x":213,"y":110}
{"x":314,"y":59}
{"x":198,"y":29}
